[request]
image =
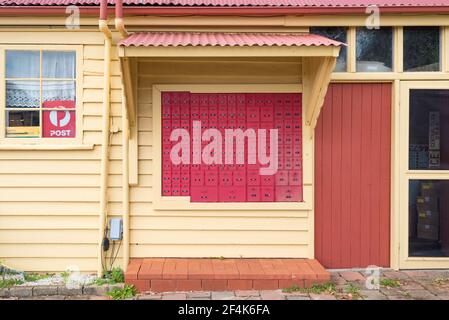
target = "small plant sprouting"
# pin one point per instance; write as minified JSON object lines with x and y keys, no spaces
{"x":327,"y":287}
{"x":293,"y":288}
{"x":353,"y":291}
{"x":390,"y":283}
{"x":128,"y":291}
{"x":10,"y":283}
{"x":111,"y":277}
{"x":441,"y":281}
{"x":65,"y":275}
{"x":32,"y":277}
{"x":117,"y":275}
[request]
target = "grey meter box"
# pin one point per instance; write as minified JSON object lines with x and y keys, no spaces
{"x":115,"y":229}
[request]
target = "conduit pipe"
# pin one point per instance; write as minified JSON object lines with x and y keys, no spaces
{"x":120,"y":27}
{"x":119,"y":23}
{"x":103,"y":26}
{"x":125,"y":183}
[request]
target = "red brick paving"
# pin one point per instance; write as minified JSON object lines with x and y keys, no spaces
{"x":169,"y":274}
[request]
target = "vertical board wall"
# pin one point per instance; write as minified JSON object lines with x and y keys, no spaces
{"x":352,"y":176}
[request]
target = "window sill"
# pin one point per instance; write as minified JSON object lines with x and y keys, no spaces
{"x":32,"y":147}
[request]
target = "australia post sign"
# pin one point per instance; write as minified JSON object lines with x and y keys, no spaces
{"x":60,"y":122}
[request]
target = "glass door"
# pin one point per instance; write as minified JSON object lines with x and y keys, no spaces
{"x":424,"y":163}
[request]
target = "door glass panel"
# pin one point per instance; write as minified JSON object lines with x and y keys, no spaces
{"x":428,"y":218}
{"x":429,"y":130}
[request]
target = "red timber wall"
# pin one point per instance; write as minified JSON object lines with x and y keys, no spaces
{"x":352,"y":176}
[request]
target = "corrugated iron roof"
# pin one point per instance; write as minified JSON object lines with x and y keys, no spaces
{"x":175,"y":39}
{"x":240,"y":3}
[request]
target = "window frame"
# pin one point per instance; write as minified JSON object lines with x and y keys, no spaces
{"x":41,"y":141}
{"x":397,"y":73}
{"x":405,"y":174}
{"x":183,"y":203}
{"x":440,"y":50}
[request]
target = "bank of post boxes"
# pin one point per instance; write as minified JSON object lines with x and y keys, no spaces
{"x":236,"y":182}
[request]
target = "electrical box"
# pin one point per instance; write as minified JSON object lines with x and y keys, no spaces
{"x":115,"y":229}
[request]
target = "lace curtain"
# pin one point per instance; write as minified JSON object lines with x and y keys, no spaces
{"x":26,"y":94}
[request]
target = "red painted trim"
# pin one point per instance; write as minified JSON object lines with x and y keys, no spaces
{"x":104,"y":10}
{"x":118,"y":9}
{"x":249,"y":11}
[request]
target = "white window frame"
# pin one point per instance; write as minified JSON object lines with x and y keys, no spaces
{"x":12,"y":142}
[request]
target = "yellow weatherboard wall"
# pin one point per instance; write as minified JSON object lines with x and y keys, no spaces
{"x":49,"y":194}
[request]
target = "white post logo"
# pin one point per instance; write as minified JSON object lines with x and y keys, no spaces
{"x":59,"y":122}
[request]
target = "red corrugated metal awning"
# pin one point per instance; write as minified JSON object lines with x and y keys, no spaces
{"x":214,"y":39}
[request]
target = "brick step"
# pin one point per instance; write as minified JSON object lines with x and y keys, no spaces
{"x":168,"y":274}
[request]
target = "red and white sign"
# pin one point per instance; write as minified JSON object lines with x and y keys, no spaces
{"x":60,"y":123}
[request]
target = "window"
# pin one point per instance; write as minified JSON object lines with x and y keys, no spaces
{"x":429,"y":218}
{"x":428,"y":132}
{"x":428,"y":150}
{"x":209,"y":167}
{"x":338,"y":34}
{"x":40,"y":90}
{"x":374,"y":49}
{"x":421,"y":48}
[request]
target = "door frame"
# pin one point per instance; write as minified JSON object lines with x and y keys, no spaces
{"x":404,"y":175}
